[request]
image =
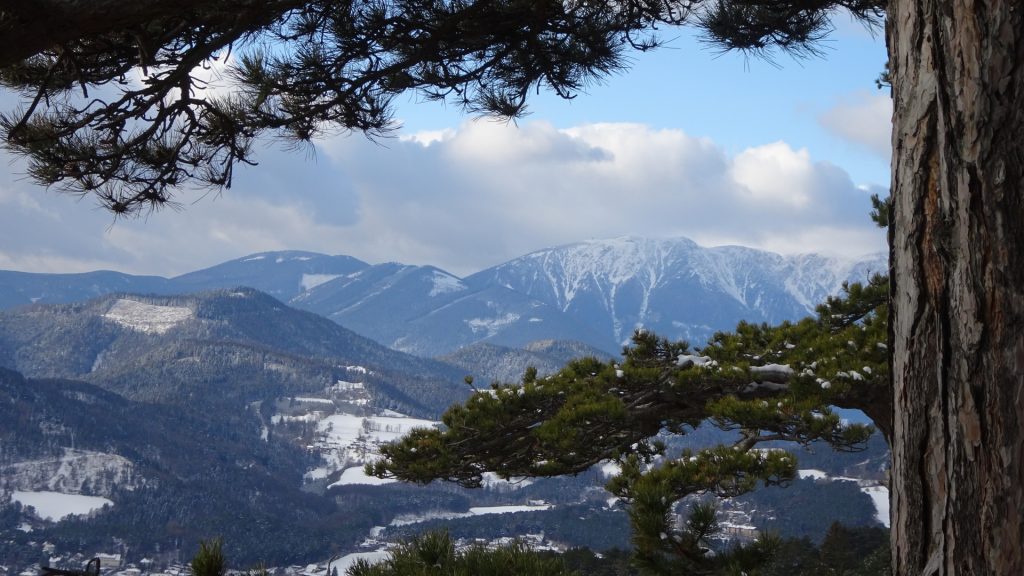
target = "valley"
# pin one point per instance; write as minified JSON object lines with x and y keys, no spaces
{"x":139,"y":415}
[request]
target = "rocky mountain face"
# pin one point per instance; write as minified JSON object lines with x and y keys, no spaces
{"x":426,"y":311}
{"x":674,"y":287}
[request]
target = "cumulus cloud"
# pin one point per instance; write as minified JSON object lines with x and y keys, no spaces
{"x":492,"y":191}
{"x":465,"y":199}
{"x":864,"y":118}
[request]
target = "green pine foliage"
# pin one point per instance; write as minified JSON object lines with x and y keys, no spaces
{"x":209,"y":560}
{"x":767,"y":383}
{"x":845,"y":551}
{"x":434,"y":553}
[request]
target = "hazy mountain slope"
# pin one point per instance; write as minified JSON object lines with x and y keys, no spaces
{"x":489,"y":362}
{"x":283,"y":274}
{"x":426,"y":311}
{"x":22,"y":288}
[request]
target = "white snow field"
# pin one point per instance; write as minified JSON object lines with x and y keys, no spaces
{"x":54,"y":506}
{"x":147,"y":318}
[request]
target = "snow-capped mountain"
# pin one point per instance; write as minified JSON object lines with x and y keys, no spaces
{"x":596,"y":292}
{"x":674,"y":287}
{"x":426,"y":311}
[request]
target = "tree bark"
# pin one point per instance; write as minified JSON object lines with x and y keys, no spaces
{"x":957,"y":71}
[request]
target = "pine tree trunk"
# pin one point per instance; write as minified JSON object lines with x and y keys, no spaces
{"x":957,"y":70}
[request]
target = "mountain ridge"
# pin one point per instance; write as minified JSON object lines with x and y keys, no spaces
{"x":596,"y":292}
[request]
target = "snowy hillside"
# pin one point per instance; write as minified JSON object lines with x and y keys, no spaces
{"x":675,"y":287}
{"x":74,"y":472}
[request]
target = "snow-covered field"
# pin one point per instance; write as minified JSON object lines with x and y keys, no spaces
{"x":406,"y":519}
{"x":444,"y":283}
{"x":310,"y":281}
{"x":880,"y":496}
{"x":812,"y":474}
{"x":147,"y":318}
{"x":55,"y":506}
{"x":346,"y":428}
{"x":346,"y":439}
{"x":356,"y":475}
{"x":69,"y":472}
{"x":347,"y":561}
{"x":310,"y":400}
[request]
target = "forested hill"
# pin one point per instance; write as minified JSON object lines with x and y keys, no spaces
{"x":225,"y":347}
{"x":167,"y":473}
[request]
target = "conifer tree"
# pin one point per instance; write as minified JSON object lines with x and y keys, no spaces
{"x":434,"y":554}
{"x":956,"y":80}
{"x":768,"y":383}
{"x":209,"y":560}
{"x":116,"y":105}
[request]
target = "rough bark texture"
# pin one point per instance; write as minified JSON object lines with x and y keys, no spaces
{"x":958,"y":286}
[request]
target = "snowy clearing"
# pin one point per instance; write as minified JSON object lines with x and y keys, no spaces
{"x":147,"y":318}
{"x":406,"y":519}
{"x":54,"y":506}
{"x":880,"y":497}
{"x":812,"y":474}
{"x":345,"y":429}
{"x":310,"y":281}
{"x":311,"y":400}
{"x":491,"y":325}
{"x":70,"y":472}
{"x":481,"y":510}
{"x":445,"y":283}
{"x":349,"y":560}
{"x":356,"y":475}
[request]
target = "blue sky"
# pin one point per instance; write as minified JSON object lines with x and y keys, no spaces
{"x":688,"y":142}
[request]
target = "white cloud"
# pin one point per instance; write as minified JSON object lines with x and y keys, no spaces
{"x":492,"y":191}
{"x":775,"y":173}
{"x":469,"y":198}
{"x":864,"y":118}
{"x":428,"y":137}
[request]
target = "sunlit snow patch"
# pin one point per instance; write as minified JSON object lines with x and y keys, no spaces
{"x":54,"y":506}
{"x":445,"y":283}
{"x":407,"y":519}
{"x":481,"y":510}
{"x":880,"y":497}
{"x":356,"y":475}
{"x":812,"y":474}
{"x":310,"y":281}
{"x":494,"y":482}
{"x":491,"y":325}
{"x":609,"y":469}
{"x":342,"y":565}
{"x":344,"y":429}
{"x":147,"y":318}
